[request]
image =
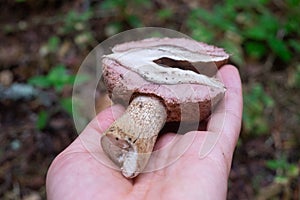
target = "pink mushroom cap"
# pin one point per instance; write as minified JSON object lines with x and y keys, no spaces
{"x":183,"y":101}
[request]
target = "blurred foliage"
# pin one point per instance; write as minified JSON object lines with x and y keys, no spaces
{"x":53,"y":44}
{"x":252,"y":28}
{"x":165,"y":14}
{"x":124,"y":12}
{"x":284,"y":169}
{"x":57,"y":78}
{"x":76,"y":21}
{"x":255,"y":30}
{"x":42,"y":119}
{"x":77,"y":24}
{"x":256,"y":103}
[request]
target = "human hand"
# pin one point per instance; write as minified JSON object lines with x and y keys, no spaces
{"x":76,"y":174}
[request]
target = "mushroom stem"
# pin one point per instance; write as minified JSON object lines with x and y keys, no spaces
{"x":129,"y":141}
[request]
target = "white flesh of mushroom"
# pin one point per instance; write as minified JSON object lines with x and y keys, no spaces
{"x":141,"y":61}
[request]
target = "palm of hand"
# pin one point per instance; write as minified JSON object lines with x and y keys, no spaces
{"x":75,"y":174}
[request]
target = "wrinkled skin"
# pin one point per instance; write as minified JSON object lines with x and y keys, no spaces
{"x":75,"y":174}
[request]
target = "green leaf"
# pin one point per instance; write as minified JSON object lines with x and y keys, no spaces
{"x":223,"y":18}
{"x":268,"y":101}
{"x":57,"y":75}
{"x":255,"y":102}
{"x":255,"y":49}
{"x":292,"y":25}
{"x":66,"y":103}
{"x":75,"y":21}
{"x":165,"y":13}
{"x":295,"y":45}
{"x":40,"y":81}
{"x":199,"y":32}
{"x":269,"y":22}
{"x":134,"y":21}
{"x":293,"y":170}
{"x":204,"y":15}
{"x":256,"y":33}
{"x":113,"y":4}
{"x":293,"y":3}
{"x":280,"y":48}
{"x":276,"y":164}
{"x":53,"y":43}
{"x":42,"y":120}
{"x":264,"y":2}
{"x":144,"y":3}
{"x":263,"y":26}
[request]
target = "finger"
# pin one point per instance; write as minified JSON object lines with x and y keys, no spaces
{"x":88,"y":142}
{"x":226,"y":119}
{"x":104,"y":119}
{"x":100,"y":123}
{"x":85,"y":159}
{"x":89,"y":138}
{"x":225,"y":122}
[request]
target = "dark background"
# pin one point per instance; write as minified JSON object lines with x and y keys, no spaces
{"x":43,"y":43}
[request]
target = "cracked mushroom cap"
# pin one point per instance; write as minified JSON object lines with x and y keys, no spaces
{"x":178,"y":71}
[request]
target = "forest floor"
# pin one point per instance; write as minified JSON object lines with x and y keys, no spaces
{"x":36,"y":37}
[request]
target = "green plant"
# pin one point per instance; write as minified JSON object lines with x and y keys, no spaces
{"x":123,"y":12}
{"x":256,"y":102}
{"x":57,"y":78}
{"x":42,"y":119}
{"x":51,"y":46}
{"x":218,"y":27}
{"x":66,"y":103}
{"x":53,"y":43}
{"x":165,"y":13}
{"x":251,"y":27}
{"x":77,"y":24}
{"x":284,"y":169}
{"x":122,"y":5}
{"x":76,"y":21}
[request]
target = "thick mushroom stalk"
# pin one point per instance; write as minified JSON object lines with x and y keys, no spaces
{"x":163,"y":76}
{"x":129,"y":141}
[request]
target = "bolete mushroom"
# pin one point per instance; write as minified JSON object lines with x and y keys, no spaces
{"x":157,"y":76}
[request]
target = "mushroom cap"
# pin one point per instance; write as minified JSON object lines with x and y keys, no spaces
{"x":216,"y":54}
{"x":186,"y":100}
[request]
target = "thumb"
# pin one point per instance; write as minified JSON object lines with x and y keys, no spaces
{"x":105,"y":118}
{"x":89,"y":138}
